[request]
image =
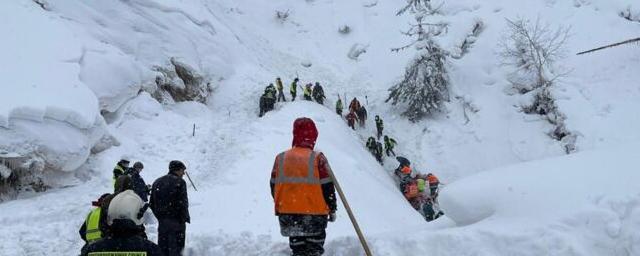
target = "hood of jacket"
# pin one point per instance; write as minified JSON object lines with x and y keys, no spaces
{"x":305,"y":133}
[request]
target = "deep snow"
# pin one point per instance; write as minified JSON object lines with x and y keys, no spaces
{"x":64,"y":65}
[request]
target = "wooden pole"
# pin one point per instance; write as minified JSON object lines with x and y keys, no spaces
{"x":194,"y":130}
{"x":611,"y":45}
{"x":363,"y":241}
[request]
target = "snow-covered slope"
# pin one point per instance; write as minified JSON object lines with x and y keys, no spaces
{"x":70,"y":60}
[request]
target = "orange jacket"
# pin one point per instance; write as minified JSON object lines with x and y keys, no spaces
{"x":433,"y":180}
{"x":298,"y":182}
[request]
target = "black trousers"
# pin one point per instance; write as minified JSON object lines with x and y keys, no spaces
{"x":293,"y":96}
{"x":390,"y":151}
{"x":171,"y":236}
{"x":307,"y":245}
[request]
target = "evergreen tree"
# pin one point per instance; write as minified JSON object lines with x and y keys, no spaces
{"x":425,"y":86}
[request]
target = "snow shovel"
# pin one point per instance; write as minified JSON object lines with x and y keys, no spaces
{"x":363,"y":241}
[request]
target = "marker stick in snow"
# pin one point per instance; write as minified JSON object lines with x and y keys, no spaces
{"x":191,"y":181}
{"x":363,"y":241}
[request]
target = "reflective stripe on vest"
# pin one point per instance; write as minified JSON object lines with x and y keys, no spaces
{"x":93,"y":225}
{"x":298,"y":185}
{"x":118,"y":254}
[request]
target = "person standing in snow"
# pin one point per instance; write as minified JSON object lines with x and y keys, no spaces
{"x":379,"y":126}
{"x":371,"y":145}
{"x":139,"y":186}
{"x":124,"y":217}
{"x":389,"y":144}
{"x":379,"y":152}
{"x":120,"y":169}
{"x":293,"y":89}
{"x":433,"y":184}
{"x":123,"y":183}
{"x":170,"y":205}
{"x":362,"y":115}
{"x":91,"y":231}
{"x":339,"y":107}
{"x":303,"y":192}
{"x":354,"y":105}
{"x":351,"y":120}
{"x":307,"y":92}
{"x":280,"y":88}
{"x":318,"y":94}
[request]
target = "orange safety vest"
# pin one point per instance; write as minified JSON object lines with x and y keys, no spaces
{"x":297,"y":182}
{"x":432,"y":180}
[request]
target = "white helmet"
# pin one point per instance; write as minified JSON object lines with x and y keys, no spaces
{"x":126,"y":205}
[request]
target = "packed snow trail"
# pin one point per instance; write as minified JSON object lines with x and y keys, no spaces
{"x":230,"y":163}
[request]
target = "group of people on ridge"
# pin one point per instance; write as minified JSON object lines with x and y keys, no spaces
{"x":116,"y":223}
{"x":275,"y":93}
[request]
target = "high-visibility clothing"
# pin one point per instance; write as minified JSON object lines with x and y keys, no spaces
{"x":307,"y":91}
{"x":421,"y":185}
{"x":294,"y":87}
{"x":93,"y":225}
{"x":432,"y":179}
{"x":119,"y":170}
{"x":298,"y":187}
{"x":339,"y":104}
{"x":406,"y":170}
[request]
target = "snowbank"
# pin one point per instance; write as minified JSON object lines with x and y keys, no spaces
{"x":590,"y":196}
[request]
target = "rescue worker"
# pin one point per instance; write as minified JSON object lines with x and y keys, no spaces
{"x":389,"y":144}
{"x":271,"y":90}
{"x":339,"y":106}
{"x":267,"y":100}
{"x":318,"y":94}
{"x":123,"y":183}
{"x":280,"y":88}
{"x":351,"y":120}
{"x":379,"y":126}
{"x":139,"y":186}
{"x":433,"y":184}
{"x":124,"y":216}
{"x":379,"y":152}
{"x":354,"y":105}
{"x":404,"y":176}
{"x":120,"y":169}
{"x":371,"y":145}
{"x":307,"y":92}
{"x":303,"y":191}
{"x":293,"y":89}
{"x":412,"y":194}
{"x":170,"y":205}
{"x":90,"y":230}
{"x":362,"y":115}
{"x":430,"y":209}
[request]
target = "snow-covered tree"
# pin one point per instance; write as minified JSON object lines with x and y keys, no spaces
{"x":425,"y":86}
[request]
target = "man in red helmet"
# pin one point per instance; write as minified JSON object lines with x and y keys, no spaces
{"x":303,"y":191}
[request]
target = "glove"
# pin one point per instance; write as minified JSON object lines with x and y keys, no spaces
{"x":332,"y":217}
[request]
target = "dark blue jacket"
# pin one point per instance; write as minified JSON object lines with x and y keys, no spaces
{"x":139,"y":186}
{"x":169,"y":198}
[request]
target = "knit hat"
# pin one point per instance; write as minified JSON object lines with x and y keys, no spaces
{"x":176,"y":165}
{"x":125,"y":205}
